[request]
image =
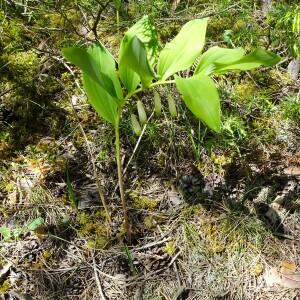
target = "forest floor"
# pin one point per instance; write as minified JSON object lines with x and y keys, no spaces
{"x":213,"y":216}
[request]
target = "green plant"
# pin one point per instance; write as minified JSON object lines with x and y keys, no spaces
{"x":118,"y":5}
{"x":8,"y":233}
{"x":286,"y":18}
{"x":291,"y":108}
{"x":71,"y":193}
{"x":141,"y":67}
{"x":130,"y":260}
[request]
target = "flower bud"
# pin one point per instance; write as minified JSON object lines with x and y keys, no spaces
{"x":172,"y":106}
{"x":141,"y":112}
{"x":136,"y":125}
{"x":157,"y":104}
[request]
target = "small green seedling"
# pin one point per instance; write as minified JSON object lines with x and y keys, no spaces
{"x":110,"y":84}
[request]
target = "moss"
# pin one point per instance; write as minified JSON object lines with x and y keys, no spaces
{"x":151,"y":221}
{"x":239,"y":24}
{"x":94,"y":229}
{"x":217,"y":26}
{"x":275,"y":75}
{"x":213,"y":242}
{"x":23,"y":65}
{"x":234,"y":128}
{"x":142,"y":202}
{"x":11,"y":35}
{"x":263,"y":130}
{"x":99,"y":242}
{"x":192,"y":236}
{"x":245,"y":90}
{"x":9,"y":187}
{"x":221,"y":161}
{"x":5,"y":286}
{"x":170,"y":248}
{"x":231,"y":234}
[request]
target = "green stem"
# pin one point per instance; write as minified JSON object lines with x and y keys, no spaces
{"x":150,"y":86}
{"x":118,"y":21}
{"x":118,"y":156}
{"x":120,"y":177}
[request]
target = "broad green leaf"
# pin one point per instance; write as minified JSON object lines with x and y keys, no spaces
{"x":35,"y":224}
{"x":107,"y":65}
{"x":134,"y":57}
{"x":129,"y":78}
{"x":201,"y":97}
{"x":258,"y":57}
{"x":97,"y":63}
{"x":182,"y":51}
{"x":217,"y":55}
{"x":104,"y":104}
{"x":145,"y":31}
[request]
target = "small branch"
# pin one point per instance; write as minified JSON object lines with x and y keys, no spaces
{"x":101,"y":294}
{"x":137,"y":143}
{"x":97,"y":20}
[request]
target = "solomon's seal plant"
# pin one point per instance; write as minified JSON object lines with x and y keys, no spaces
{"x":110,"y":83}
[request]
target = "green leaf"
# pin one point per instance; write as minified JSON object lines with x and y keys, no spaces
{"x":258,"y":57}
{"x":134,"y":57}
{"x":129,"y":78}
{"x":117,"y":4}
{"x":107,"y":65}
{"x":17,"y":232}
{"x":182,"y":51}
{"x":97,"y":63}
{"x":217,"y":55}
{"x":5,"y":232}
{"x":35,"y":224}
{"x":201,"y":97}
{"x":104,"y":104}
{"x":146,"y":32}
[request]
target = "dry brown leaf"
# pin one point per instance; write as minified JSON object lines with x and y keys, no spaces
{"x":287,"y":267}
{"x":292,"y":171}
{"x":274,"y":277}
